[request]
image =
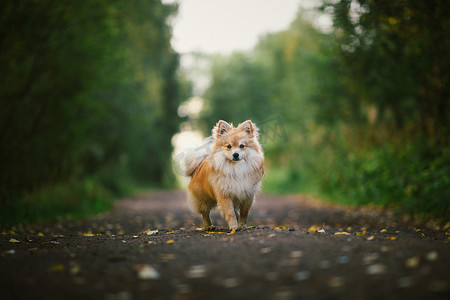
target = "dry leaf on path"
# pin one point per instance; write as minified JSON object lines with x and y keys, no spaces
{"x":150,"y":232}
{"x":57,"y":268}
{"x":147,"y":272}
{"x":196,"y":271}
{"x":412,"y":262}
{"x":376,"y":269}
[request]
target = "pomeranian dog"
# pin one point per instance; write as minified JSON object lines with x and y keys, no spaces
{"x":226,"y":172}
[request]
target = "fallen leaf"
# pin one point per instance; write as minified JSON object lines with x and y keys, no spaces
{"x":10,"y":251}
{"x":196,"y":271}
{"x":147,"y":272}
{"x":342,"y":233}
{"x":169,"y":232}
{"x":57,"y":268}
{"x":198,"y":228}
{"x":40,"y":234}
{"x":376,"y":269}
{"x":14,"y":241}
{"x":302,"y":275}
{"x":168,"y":256}
{"x":220,"y":232}
{"x":344,"y":259}
{"x":230,"y":282}
{"x":280,"y":228}
{"x":296,"y":254}
{"x":170,"y":242}
{"x":325,"y":264}
{"x":383,"y":230}
{"x":313,"y":228}
{"x":265,"y":250}
{"x":370,"y":258}
{"x":321,"y":230}
{"x":412,"y":262}
{"x":370,"y":238}
{"x":392,"y":238}
{"x":336,"y":281}
{"x":385,"y":249}
{"x":432,"y":256}
{"x":74,"y":268}
{"x":151,"y":232}
{"x":361,"y":233}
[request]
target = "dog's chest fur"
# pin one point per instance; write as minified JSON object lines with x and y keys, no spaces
{"x":238,"y":180}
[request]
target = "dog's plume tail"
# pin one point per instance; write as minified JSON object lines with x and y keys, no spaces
{"x":196,"y":156}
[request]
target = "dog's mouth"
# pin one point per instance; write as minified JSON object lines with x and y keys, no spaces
{"x":236,"y":159}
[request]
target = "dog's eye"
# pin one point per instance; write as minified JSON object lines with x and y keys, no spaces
{"x":229,"y":146}
{"x":241,"y":146}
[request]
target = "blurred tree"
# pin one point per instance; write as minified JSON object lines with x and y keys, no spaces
{"x":87,"y":87}
{"x":397,"y":53}
{"x":357,"y":104}
{"x":238,"y":91}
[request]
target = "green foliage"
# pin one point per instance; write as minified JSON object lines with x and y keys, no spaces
{"x":68,"y":200}
{"x":396,"y":56}
{"x":90,"y":88}
{"x":362,"y":110}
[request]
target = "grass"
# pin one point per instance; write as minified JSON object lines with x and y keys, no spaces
{"x":414,"y":180}
{"x":70,"y":200}
{"x":74,"y":199}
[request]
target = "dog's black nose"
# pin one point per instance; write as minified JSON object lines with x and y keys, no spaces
{"x":235,"y":155}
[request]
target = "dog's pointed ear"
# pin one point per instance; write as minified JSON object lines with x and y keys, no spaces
{"x":249,"y":127}
{"x":220,"y":129}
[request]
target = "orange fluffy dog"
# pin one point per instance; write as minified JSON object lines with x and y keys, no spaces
{"x":228,"y":175}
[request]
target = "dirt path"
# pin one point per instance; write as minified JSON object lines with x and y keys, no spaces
{"x":298,"y":249}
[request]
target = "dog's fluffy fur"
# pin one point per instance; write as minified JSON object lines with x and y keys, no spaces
{"x":226,"y":171}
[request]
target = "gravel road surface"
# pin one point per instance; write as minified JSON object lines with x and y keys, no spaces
{"x":149,"y":247}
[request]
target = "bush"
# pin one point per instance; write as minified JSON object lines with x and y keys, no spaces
{"x":73,"y":199}
{"x":414,"y":179}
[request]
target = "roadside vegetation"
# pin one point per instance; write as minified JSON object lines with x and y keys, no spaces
{"x":88,"y":105}
{"x":357,"y":115}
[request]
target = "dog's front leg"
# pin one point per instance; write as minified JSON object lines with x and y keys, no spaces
{"x":228,"y":212}
{"x":245,"y":208}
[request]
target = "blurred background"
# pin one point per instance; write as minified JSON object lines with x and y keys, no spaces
{"x":97,"y":98}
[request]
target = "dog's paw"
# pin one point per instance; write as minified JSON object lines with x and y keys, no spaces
{"x":234,"y":227}
{"x":210,"y":228}
{"x":244,"y":226}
